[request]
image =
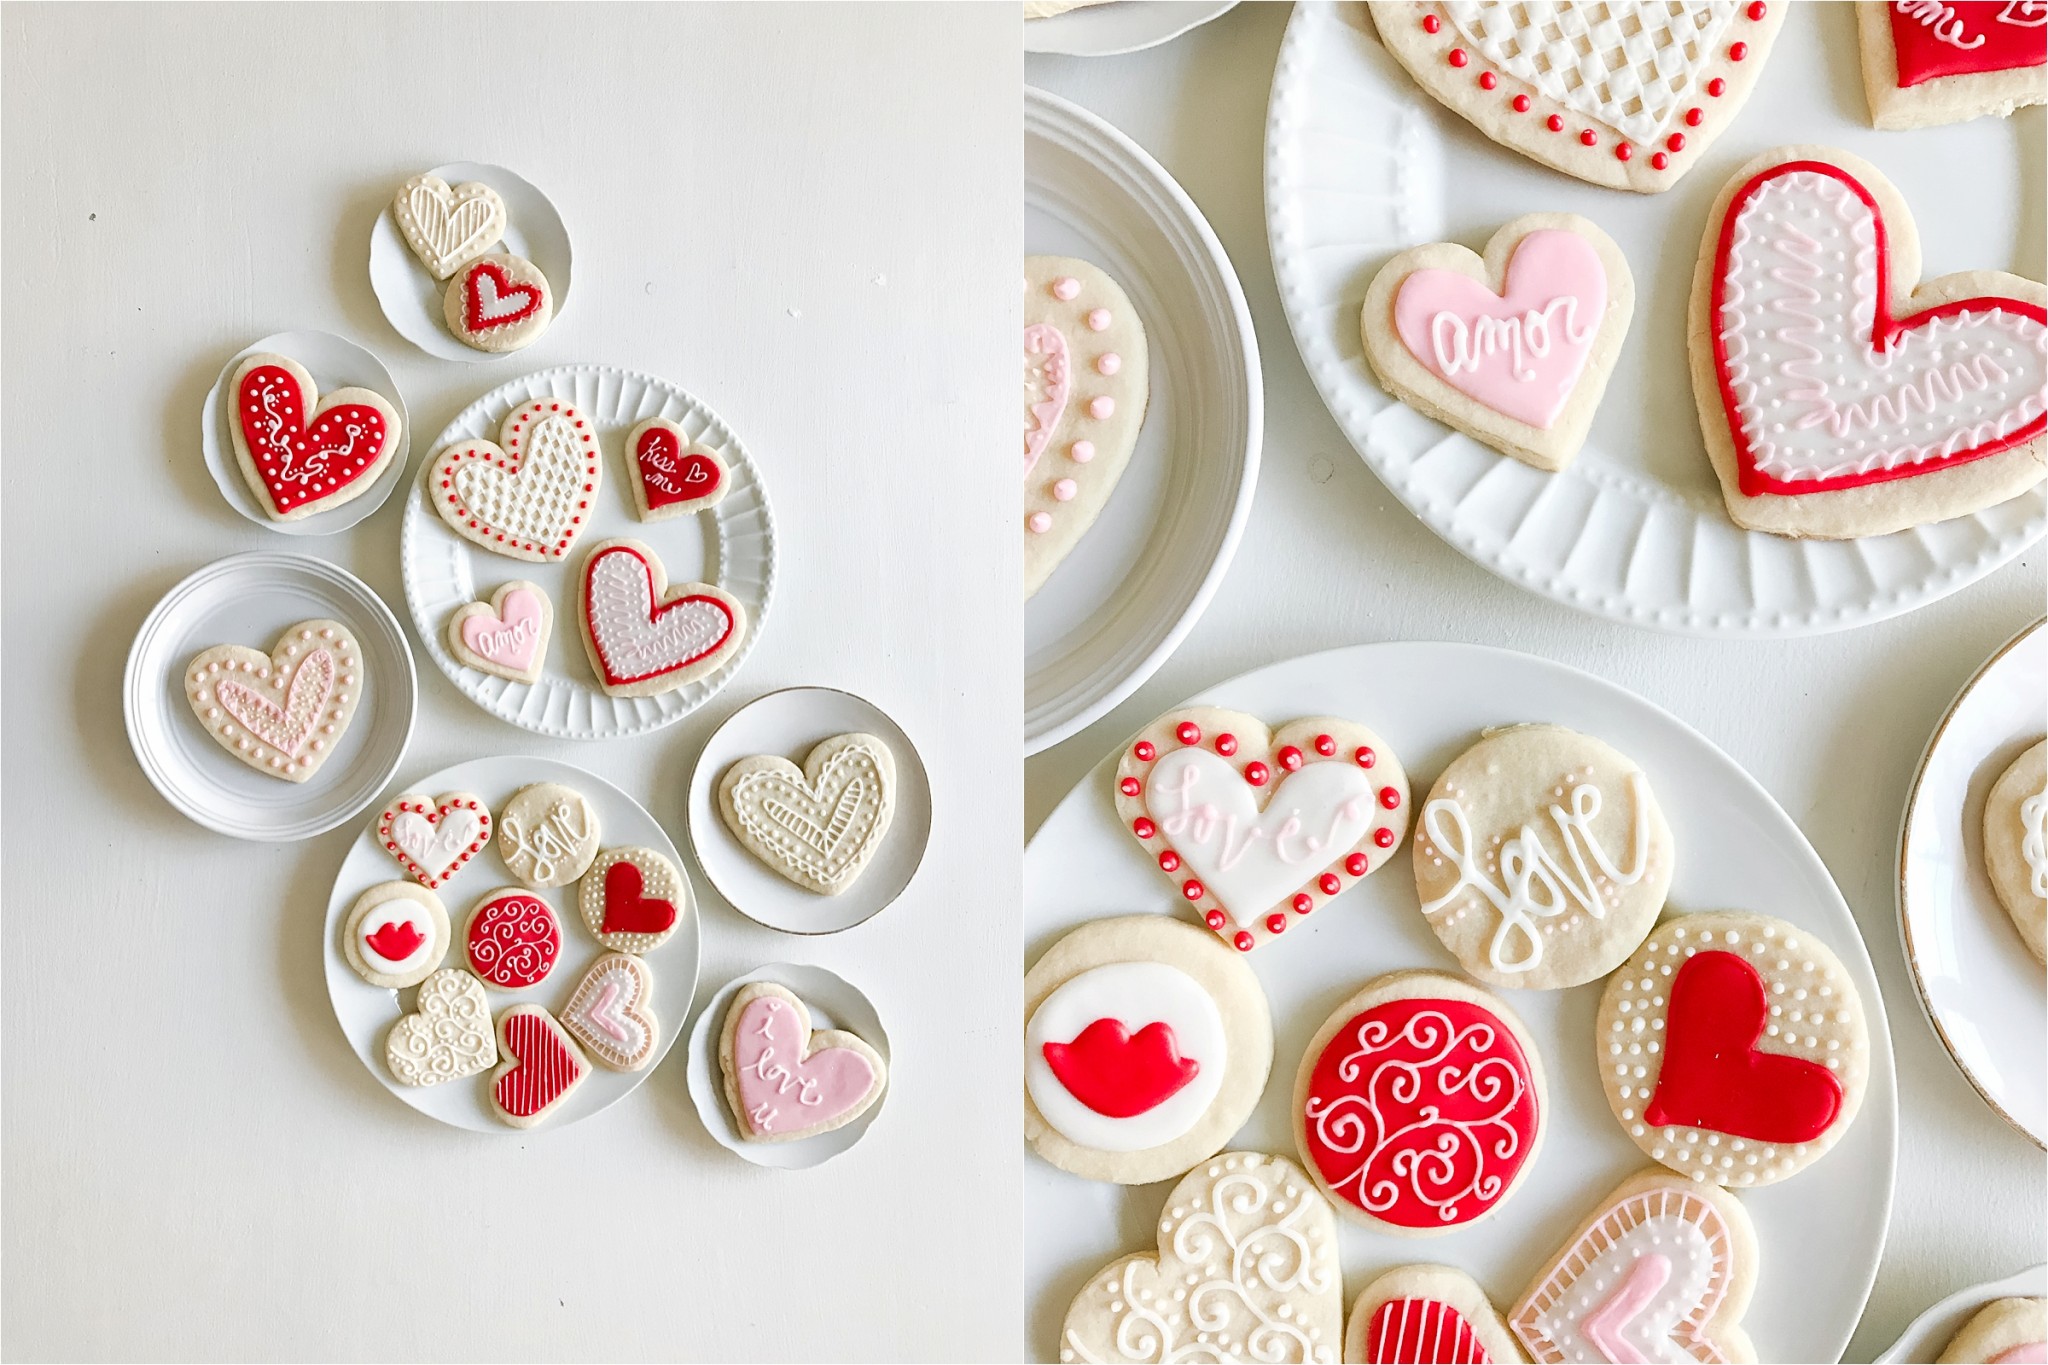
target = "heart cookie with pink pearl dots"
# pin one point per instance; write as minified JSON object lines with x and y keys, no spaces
{"x":1085,"y":389}
{"x":284,"y":712}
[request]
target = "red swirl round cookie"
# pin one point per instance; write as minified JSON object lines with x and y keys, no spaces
{"x":1420,"y":1104}
{"x":1733,"y":1047}
{"x":512,"y":939}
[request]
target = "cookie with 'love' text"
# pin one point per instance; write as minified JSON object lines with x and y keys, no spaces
{"x":785,"y":1081}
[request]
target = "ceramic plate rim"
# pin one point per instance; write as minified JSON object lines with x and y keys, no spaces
{"x":2031,"y":1282}
{"x":1081,"y":40}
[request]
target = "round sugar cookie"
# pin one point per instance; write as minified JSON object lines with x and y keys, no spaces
{"x":498,"y":303}
{"x":2016,"y":845}
{"x":396,"y":934}
{"x":547,"y":834}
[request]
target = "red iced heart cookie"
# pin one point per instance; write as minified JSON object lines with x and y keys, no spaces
{"x":432,"y":837}
{"x":491,"y":298}
{"x":1713,"y":1075}
{"x":673,"y":474}
{"x":1927,"y":62}
{"x":1119,"y":1073}
{"x":632,"y":899}
{"x":644,"y":637}
{"x":543,"y":1065}
{"x":301,"y":453}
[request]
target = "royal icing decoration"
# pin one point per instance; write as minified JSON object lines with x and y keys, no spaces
{"x":1246,"y":1269}
{"x":300,"y":453}
{"x":1936,"y":40}
{"x":447,"y":228}
{"x":448,"y":1034}
{"x":1714,"y":1076}
{"x":432,"y":837}
{"x":282,"y":713}
{"x":547,"y":834}
{"x":789,"y":1081}
{"x":820,"y":824}
{"x":644,"y":634}
{"x":673,"y":474}
{"x":2034,"y":841}
{"x":1422,"y":1332}
{"x":491,"y":298}
{"x":1126,"y":1056}
{"x":529,"y":494}
{"x":507,"y":636}
{"x":542,"y":1066}
{"x":396,"y":934}
{"x":513,"y":940}
{"x":609,"y":1013}
{"x":631,"y":899}
{"x":1421,"y":1111}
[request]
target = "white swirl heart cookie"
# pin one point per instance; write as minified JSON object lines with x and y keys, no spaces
{"x":1086,"y":387}
{"x":432,"y":837}
{"x":1839,"y":394}
{"x":395,"y":935}
{"x":2016,"y":845}
{"x":1513,"y":349}
{"x":609,"y":1013}
{"x":1253,"y":1234}
{"x":528,"y":494}
{"x":498,"y":303}
{"x":282,"y":713}
{"x":542,"y":1067}
{"x":1662,"y":1269}
{"x":1259,"y":827}
{"x":547,"y":834}
{"x":784,"y":1081}
{"x":448,"y":228}
{"x":671,"y":474}
{"x":1427,"y":1315}
{"x":447,"y":1036}
{"x":817,"y":825}
{"x":645,"y":637}
{"x":301,"y":453}
{"x":506,"y":637}
{"x":1927,"y":62}
{"x":1623,"y":93}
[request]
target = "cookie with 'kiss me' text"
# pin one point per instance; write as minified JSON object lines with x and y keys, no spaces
{"x":670,"y":474}
{"x":1927,"y":63}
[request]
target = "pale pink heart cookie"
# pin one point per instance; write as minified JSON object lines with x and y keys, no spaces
{"x":670,"y":474}
{"x":1839,"y":395}
{"x":395,"y":935}
{"x":282,"y":713}
{"x":433,"y":836}
{"x":1927,"y":62}
{"x":448,"y":228}
{"x":782,"y":1080}
{"x":301,"y":453}
{"x":1623,"y":93}
{"x":2002,"y":1332}
{"x":542,"y":1066}
{"x":498,"y":303}
{"x":645,"y":637}
{"x":1514,"y":348}
{"x":507,"y":636}
{"x":609,"y":1013}
{"x":528,"y":494}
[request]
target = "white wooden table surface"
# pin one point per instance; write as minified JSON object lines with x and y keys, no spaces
{"x":1832,"y":726}
{"x":801,"y":214}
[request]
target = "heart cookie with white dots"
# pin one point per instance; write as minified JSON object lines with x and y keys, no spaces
{"x":818,"y":825}
{"x":529,"y":493}
{"x":448,"y":228}
{"x":284,"y":712}
{"x":302,"y":453}
{"x":609,"y":1013}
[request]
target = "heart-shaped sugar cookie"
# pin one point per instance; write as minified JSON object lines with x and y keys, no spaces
{"x":282,"y":713}
{"x":448,"y":1034}
{"x":447,"y":228}
{"x":1427,"y":1315}
{"x":1931,"y":63}
{"x":784,"y":1081}
{"x":542,"y":1066}
{"x":433,"y":836}
{"x":301,"y":453}
{"x":645,"y":637}
{"x":672,"y":474}
{"x":506,"y":637}
{"x":528,"y":494}
{"x":609,"y":1013}
{"x":817,"y":825}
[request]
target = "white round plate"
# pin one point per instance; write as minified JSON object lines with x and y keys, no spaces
{"x":334,"y":364}
{"x":1821,"y":1232}
{"x":789,"y":723}
{"x":1981,"y":989}
{"x":833,"y":1003}
{"x":1360,"y":164}
{"x":249,"y":599}
{"x":1110,"y":30}
{"x":732,"y":544}
{"x":1136,"y":583}
{"x":367,"y":1012}
{"x":1931,"y":1331}
{"x":412,"y":298}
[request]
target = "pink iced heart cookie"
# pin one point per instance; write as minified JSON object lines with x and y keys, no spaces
{"x":784,"y":1081}
{"x":1514,"y":348}
{"x":506,"y":637}
{"x":609,"y":1013}
{"x":433,"y":836}
{"x":528,"y":494}
{"x":645,"y":637}
{"x":1839,"y":395}
{"x":282,"y":713}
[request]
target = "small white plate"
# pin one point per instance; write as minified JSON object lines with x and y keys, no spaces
{"x":1930,"y":1333}
{"x":733,"y":543}
{"x":334,"y":363}
{"x":789,"y":723}
{"x":1981,"y":989}
{"x":410,"y":295}
{"x":1124,"y":26}
{"x":1134,"y":586}
{"x":249,"y":599}
{"x":1360,"y":164}
{"x":833,"y":1002}
{"x":1821,"y":1232}
{"x":367,"y":1012}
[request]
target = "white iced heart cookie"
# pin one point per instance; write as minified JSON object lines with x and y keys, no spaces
{"x":447,"y":228}
{"x":282,"y":713}
{"x":547,"y":834}
{"x":1927,"y":62}
{"x":1661,"y":1270}
{"x":1839,"y":395}
{"x":2016,"y":845}
{"x":1258,"y":827}
{"x":507,"y":636}
{"x":784,"y":1081}
{"x":609,"y":1013}
{"x":448,"y":1034}
{"x":529,"y":493}
{"x":433,"y":836}
{"x":645,"y":637}
{"x":1255,"y":1247}
{"x":817,"y":825}
{"x":1623,"y":93}
{"x":395,"y":935}
{"x":498,"y":303}
{"x":1513,"y":349}
{"x":1085,"y":392}
{"x":301,"y":453}
{"x":1427,"y":1313}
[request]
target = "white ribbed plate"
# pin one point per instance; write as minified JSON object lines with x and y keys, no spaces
{"x":732,"y":545}
{"x":1930,"y":1333}
{"x":1125,"y":26}
{"x":1361,"y":164}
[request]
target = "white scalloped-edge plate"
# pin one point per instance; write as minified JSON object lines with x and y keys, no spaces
{"x":1125,"y":26}
{"x":732,"y":544}
{"x":1361,"y":164}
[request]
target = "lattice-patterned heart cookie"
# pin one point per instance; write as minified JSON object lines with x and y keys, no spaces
{"x":817,"y":825}
{"x":447,"y":228}
{"x":282,"y":713}
{"x":1622,"y":94}
{"x":528,"y":494}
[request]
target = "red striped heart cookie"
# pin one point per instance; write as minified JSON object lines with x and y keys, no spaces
{"x":1427,"y":1315}
{"x":542,"y":1067}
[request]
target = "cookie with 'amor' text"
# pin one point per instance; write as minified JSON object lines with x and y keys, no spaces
{"x":2003,"y":1332}
{"x":284,"y":712}
{"x":528,"y":494}
{"x":448,"y":227}
{"x":2016,"y":845}
{"x":645,"y":637}
{"x":498,"y":303}
{"x":542,"y":1066}
{"x":1427,"y":1315}
{"x":395,"y":935}
{"x":1733,"y":1047}
{"x":1929,"y":61}
{"x":506,"y":637}
{"x":1840,"y":394}
{"x":1420,"y":1104}
{"x":301,"y":453}
{"x":818,"y":825}
{"x":1146,"y":1045}
{"x":1542,"y":857}
{"x":632,"y":899}
{"x":1514,"y":348}
{"x":670,"y":474}
{"x":1259,"y":827}
{"x":785,"y":1081}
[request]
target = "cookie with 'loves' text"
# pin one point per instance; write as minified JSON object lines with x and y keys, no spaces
{"x":1146,"y":1045}
{"x":529,"y":493}
{"x":645,"y":637}
{"x":1258,"y":827}
{"x":300,"y":452}
{"x":1943,"y":61}
{"x":1427,"y":1315}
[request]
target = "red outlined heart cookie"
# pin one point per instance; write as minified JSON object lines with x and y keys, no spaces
{"x":282,"y":713}
{"x":395,"y":935}
{"x":512,"y":939}
{"x":528,"y":494}
{"x":1627,"y":95}
{"x":498,"y":303}
{"x":1427,"y":1315}
{"x":1258,"y":826}
{"x":433,"y":836}
{"x":1662,"y":1265}
{"x":1839,"y":395}
{"x":448,"y":1034}
{"x":542,"y":1066}
{"x":645,"y":637}
{"x":609,"y":1013}
{"x":632,"y":899}
{"x":301,"y":453}
{"x":670,"y":474}
{"x":1927,"y":62}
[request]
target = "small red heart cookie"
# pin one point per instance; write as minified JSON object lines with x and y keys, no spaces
{"x":1427,"y":1315}
{"x":632,"y":899}
{"x":671,"y":474}
{"x":433,"y":836}
{"x":528,"y":494}
{"x":498,"y":303}
{"x":301,"y":453}
{"x":1927,"y":62}
{"x":542,"y":1066}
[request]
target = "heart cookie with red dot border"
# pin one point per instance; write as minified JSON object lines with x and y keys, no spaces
{"x":498,"y":303}
{"x":1427,"y":1315}
{"x":432,"y":837}
{"x":542,"y":1067}
{"x":645,"y":637}
{"x":1259,"y":827}
{"x":671,"y":474}
{"x":284,"y":712}
{"x":1926,"y":62}
{"x":301,"y":453}
{"x":527,"y":495}
{"x":632,"y":899}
